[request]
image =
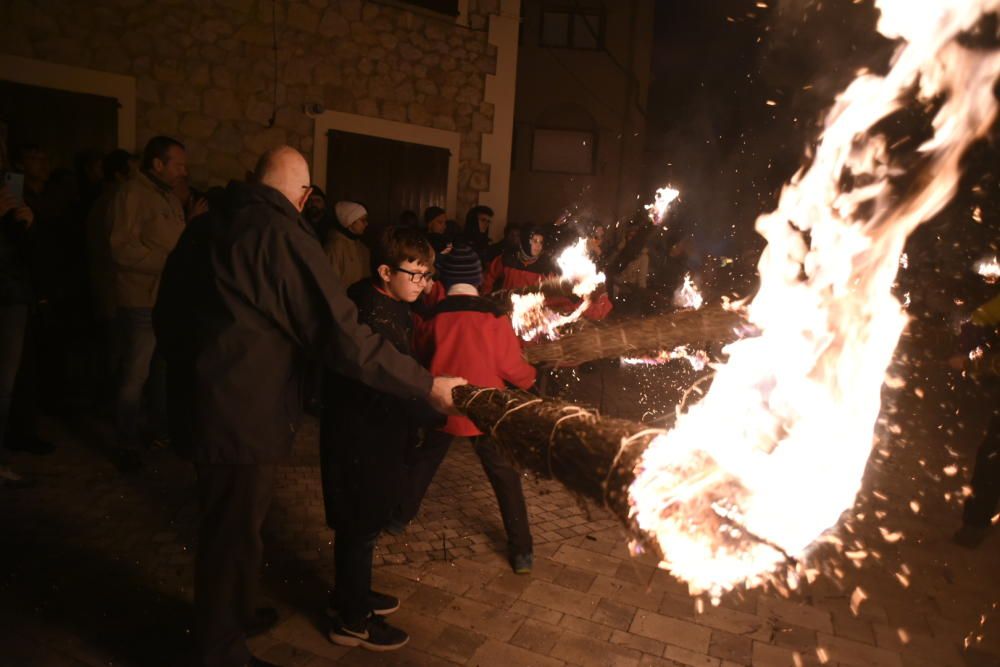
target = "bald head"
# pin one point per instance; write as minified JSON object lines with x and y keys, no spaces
{"x":284,"y":169}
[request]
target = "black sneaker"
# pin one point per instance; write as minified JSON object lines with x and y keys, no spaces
{"x":382,"y":604}
{"x":396,"y":527}
{"x":522,"y":563}
{"x":970,"y":537}
{"x":373,"y":634}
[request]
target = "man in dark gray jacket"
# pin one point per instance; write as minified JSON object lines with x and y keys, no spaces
{"x":247,"y":302}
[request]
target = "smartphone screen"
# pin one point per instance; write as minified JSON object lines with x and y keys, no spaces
{"x":15,"y":186}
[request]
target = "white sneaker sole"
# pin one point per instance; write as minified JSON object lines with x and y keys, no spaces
{"x":332,"y":614}
{"x":352,"y":641}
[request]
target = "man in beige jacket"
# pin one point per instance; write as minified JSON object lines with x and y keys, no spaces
{"x":348,"y":254}
{"x":146,"y":221}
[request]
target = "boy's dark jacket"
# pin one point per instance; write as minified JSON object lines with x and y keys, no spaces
{"x":365,"y":433}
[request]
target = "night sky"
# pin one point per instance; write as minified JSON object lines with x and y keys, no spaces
{"x":738,"y":93}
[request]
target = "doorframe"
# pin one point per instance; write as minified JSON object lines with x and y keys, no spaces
{"x":386,"y":129}
{"x":44,"y":74}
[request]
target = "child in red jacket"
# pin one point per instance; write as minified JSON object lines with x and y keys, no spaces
{"x":468,"y":336}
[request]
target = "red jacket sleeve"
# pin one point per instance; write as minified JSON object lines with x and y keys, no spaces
{"x":511,"y":365}
{"x":599,"y":308}
{"x":493,"y":275}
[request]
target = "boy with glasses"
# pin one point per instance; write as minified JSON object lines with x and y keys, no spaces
{"x":364,"y":436}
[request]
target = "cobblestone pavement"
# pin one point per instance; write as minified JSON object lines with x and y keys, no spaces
{"x":97,"y":568}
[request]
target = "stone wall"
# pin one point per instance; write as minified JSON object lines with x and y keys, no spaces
{"x":204,"y":70}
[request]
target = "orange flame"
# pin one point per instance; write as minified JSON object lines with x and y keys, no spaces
{"x":753,"y":475}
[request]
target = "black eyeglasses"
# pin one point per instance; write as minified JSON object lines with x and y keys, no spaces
{"x":416,"y":276}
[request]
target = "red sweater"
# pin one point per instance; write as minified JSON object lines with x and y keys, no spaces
{"x":467,"y":337}
{"x":508,"y":272}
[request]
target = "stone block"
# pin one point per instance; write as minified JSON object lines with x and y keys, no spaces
{"x":456,"y":644}
{"x":162,"y":120}
{"x":637,"y":642}
{"x":483,"y":619}
{"x":328,"y":73}
{"x":497,"y":654}
{"x":147,"y":90}
{"x":302,"y":17}
{"x":585,"y":627}
{"x":727,"y":646}
{"x":560,"y":599}
{"x":536,"y":636}
{"x":181,"y":97}
{"x":587,"y":651}
{"x":684,"y":656}
{"x":614,"y":614}
{"x":333,"y":24}
{"x":197,"y":126}
{"x":259,"y":110}
{"x":672,"y":631}
{"x":793,"y":613}
{"x":222,"y":104}
{"x":847,"y":652}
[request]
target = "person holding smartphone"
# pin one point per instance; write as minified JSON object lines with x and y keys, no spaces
{"x":16,"y":297}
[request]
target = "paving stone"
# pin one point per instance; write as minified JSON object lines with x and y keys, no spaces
{"x":497,"y":654}
{"x":637,"y":642}
{"x":585,"y":627}
{"x":672,"y":631}
{"x":483,"y":619}
{"x":550,"y":616}
{"x":584,"y":559}
{"x":560,"y":599}
{"x":856,"y":654}
{"x":688,"y":657}
{"x":653,"y":661}
{"x":457,"y":644}
{"x":645,"y":597}
{"x":536,"y":636}
{"x":726,"y":646}
{"x":614,"y":614}
{"x":590,"y":652}
{"x":578,"y":580}
{"x":429,"y":600}
{"x":793,"y":613}
{"x":735,"y":622}
{"x":848,"y":626}
{"x":766,"y":655}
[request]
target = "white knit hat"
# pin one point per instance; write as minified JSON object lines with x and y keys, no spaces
{"x":348,"y":212}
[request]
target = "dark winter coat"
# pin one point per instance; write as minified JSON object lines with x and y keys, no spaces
{"x":247,"y":302}
{"x":365,"y":433}
{"x":15,"y":274}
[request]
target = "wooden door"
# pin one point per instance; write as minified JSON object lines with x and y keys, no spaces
{"x":386,"y":175}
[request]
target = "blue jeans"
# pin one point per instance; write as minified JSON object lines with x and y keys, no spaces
{"x":13,"y":326}
{"x":138,"y":371}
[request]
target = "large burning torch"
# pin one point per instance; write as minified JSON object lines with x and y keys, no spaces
{"x":751,"y":477}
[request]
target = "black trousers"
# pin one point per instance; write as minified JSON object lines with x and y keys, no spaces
{"x":422,"y":463}
{"x":503,"y":477}
{"x":234,"y":500}
{"x":985,"y":499}
{"x":352,"y":560}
